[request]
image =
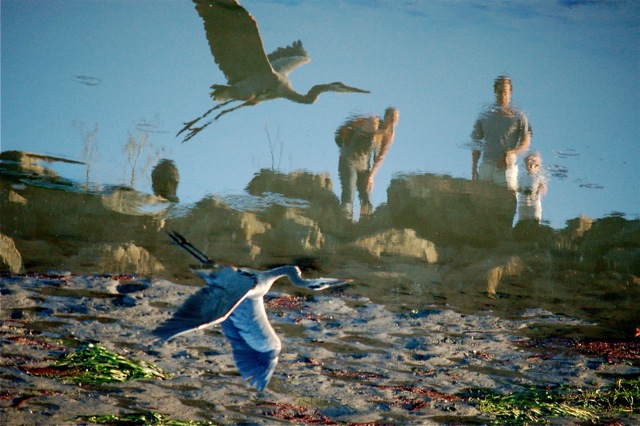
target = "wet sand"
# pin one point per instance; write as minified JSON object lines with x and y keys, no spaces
{"x":345,"y":359}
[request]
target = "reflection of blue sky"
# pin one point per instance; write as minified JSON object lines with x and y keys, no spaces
{"x":575,"y":67}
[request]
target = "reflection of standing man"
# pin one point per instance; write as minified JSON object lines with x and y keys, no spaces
{"x":503,"y":132}
{"x":361,"y":140}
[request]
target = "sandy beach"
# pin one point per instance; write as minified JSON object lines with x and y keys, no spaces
{"x":345,"y":359}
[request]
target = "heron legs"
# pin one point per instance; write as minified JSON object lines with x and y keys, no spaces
{"x":244,"y":104}
{"x":195,"y":130}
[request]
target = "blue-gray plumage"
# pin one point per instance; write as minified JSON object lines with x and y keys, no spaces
{"x":233,"y":298}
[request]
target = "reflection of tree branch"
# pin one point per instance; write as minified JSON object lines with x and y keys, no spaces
{"x":134,"y":150}
{"x":90,"y":144}
{"x":272,"y":148}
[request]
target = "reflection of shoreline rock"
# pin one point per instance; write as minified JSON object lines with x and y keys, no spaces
{"x":10,"y":259}
{"x":219,"y":230}
{"x":292,"y":234}
{"x":117,"y":259}
{"x":394,"y":242}
{"x":435,"y":242}
{"x":613,"y":244}
{"x":324,"y":208}
{"x":28,"y":163}
{"x":452,"y":211}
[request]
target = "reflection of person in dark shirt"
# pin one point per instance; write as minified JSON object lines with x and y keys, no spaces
{"x":363,"y":142}
{"x":503,"y":132}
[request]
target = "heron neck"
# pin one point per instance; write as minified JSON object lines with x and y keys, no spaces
{"x":283,"y":271}
{"x":311,"y":96}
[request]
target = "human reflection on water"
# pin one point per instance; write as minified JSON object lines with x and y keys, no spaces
{"x":165,"y":179}
{"x":502,"y":132}
{"x":532,"y":186}
{"x":252,"y":75}
{"x":363,"y":140}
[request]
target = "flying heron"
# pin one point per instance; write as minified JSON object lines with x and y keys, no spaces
{"x":233,"y":298}
{"x":252,"y":75}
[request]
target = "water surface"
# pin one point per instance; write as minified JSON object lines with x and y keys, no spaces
{"x":446,"y":279}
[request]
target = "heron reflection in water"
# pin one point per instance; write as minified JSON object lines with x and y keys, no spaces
{"x":252,"y":75}
{"x":233,"y":298}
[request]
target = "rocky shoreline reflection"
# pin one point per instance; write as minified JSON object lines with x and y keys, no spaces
{"x":438,"y":240}
{"x":450,"y":307}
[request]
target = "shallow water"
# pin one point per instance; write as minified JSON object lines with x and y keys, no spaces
{"x":450,"y":291}
{"x":131,"y":76}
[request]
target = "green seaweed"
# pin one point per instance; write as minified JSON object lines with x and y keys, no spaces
{"x":144,"y":418}
{"x":95,"y":365}
{"x":537,"y":405}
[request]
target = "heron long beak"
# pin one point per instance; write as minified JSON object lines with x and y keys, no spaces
{"x":349,"y":89}
{"x":323,"y":283}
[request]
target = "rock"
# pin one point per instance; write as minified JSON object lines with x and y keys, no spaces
{"x":613,"y":244}
{"x":218,"y":230}
{"x":572,"y":235}
{"x":298,"y":184}
{"x":398,"y":242}
{"x":452,"y":211}
{"x":10,"y":259}
{"x":124,"y":258}
{"x":324,"y":206}
{"x":531,"y":232}
{"x":292,"y":235}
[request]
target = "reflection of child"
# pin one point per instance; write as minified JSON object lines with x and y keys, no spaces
{"x":532,"y":185}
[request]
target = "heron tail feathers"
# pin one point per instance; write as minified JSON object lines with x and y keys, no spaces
{"x":221,"y":92}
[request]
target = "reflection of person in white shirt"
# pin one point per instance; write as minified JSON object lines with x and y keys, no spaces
{"x":532,"y":185}
{"x":503,"y":132}
{"x":363,"y":142}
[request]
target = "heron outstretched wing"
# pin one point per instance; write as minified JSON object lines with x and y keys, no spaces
{"x":286,"y":59}
{"x":234,"y":39}
{"x":226,"y":289}
{"x":254,"y":342}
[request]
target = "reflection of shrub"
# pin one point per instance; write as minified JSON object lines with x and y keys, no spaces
{"x":274,"y":146}
{"x":89,"y":143}
{"x":135,"y":151}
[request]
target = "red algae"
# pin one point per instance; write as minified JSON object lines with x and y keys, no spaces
{"x":614,"y":352}
{"x":23,"y":340}
{"x":300,"y":414}
{"x":428,"y":392}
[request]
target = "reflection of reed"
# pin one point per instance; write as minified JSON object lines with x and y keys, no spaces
{"x":273,"y":145}
{"x":133,"y":150}
{"x":89,"y":145}
{"x":136,"y":151}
